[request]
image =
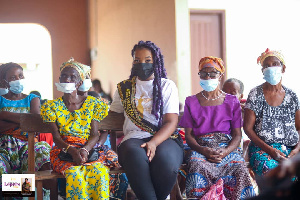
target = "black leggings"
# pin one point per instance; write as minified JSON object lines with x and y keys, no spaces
{"x":150,"y":180}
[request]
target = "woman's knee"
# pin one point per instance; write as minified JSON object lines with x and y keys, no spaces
{"x":169,"y":154}
{"x":45,"y":166}
{"x":130,"y":151}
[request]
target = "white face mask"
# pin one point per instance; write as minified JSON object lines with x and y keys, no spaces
{"x":86,"y":85}
{"x":17,"y":86}
{"x":3,"y":91}
{"x":210,"y":84}
{"x":273,"y":74}
{"x":65,"y":87}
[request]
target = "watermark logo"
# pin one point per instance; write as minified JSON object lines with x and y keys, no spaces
{"x":18,"y":185}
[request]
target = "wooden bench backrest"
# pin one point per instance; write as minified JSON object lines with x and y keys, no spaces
{"x":33,"y":123}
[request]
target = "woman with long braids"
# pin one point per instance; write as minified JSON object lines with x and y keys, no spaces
{"x":149,"y":152}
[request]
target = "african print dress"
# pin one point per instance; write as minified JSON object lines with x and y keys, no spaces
{"x":14,"y":143}
{"x":275,"y":125}
{"x":90,"y":180}
{"x":212,"y":127}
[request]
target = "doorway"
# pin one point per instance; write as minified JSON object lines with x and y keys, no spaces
{"x":29,"y":45}
{"x":207,"y":39}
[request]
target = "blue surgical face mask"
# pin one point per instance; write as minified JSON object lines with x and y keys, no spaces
{"x":86,"y":85}
{"x":3,"y":91}
{"x":17,"y":86}
{"x":65,"y":87}
{"x":273,"y":75}
{"x":210,"y":84}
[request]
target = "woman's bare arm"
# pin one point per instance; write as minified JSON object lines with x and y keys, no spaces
{"x":168,"y":127}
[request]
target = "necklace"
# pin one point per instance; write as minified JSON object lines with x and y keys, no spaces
{"x":213,"y":98}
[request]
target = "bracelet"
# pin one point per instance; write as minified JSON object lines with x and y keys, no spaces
{"x":85,"y":150}
{"x":66,"y":149}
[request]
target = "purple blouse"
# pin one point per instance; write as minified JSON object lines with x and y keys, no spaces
{"x":212,"y":119}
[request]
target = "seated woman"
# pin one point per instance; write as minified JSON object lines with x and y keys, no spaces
{"x":212,"y":122}
{"x":13,"y":142}
{"x":272,"y":117}
{"x":149,"y":101}
{"x":75,"y":119}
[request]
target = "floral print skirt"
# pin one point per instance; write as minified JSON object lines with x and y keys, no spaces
{"x":260,"y":161}
{"x":202,"y":174}
{"x":113,"y":186}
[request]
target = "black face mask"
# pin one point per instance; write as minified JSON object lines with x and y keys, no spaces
{"x":142,"y":70}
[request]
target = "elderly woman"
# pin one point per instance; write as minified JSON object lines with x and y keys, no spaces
{"x":149,"y":101}
{"x":13,"y":142}
{"x":212,"y":122}
{"x":74,"y":119}
{"x":272,"y":117}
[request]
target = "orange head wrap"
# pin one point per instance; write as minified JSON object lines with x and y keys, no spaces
{"x":211,"y":61}
{"x":267,"y":53}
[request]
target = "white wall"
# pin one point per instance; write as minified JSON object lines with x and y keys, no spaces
{"x":253,"y":26}
{"x":183,"y":49}
{"x":116,"y":26}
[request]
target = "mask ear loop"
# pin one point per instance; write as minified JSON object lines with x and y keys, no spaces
{"x":77,"y":85}
{"x":7,"y":84}
{"x":220,"y":77}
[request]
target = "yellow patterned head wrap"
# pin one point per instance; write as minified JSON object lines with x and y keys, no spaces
{"x":82,"y":69}
{"x":267,"y":53}
{"x":211,"y":61}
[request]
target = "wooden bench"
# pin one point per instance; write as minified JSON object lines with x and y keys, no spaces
{"x":33,"y":124}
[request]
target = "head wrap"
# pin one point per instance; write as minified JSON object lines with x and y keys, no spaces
{"x":267,"y":53}
{"x":211,"y":61}
{"x":82,"y":69}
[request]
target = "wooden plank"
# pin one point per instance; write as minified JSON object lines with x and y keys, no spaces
{"x":114,"y":121}
{"x":31,"y":159}
{"x":39,"y":189}
{"x":33,"y":122}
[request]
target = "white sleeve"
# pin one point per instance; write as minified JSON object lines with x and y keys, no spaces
{"x":170,"y":98}
{"x":116,"y":104}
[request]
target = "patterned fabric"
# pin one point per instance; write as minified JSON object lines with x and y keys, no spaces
{"x":215,"y":192}
{"x":95,"y":188}
{"x":260,"y":161}
{"x":17,"y":106}
{"x":107,"y":156}
{"x":202,"y":174}
{"x":15,"y":152}
{"x":267,"y":53}
{"x":82,"y":69}
{"x":74,"y":128}
{"x":126,"y":91}
{"x":13,"y":144}
{"x":211,"y":61}
{"x":274,"y":124}
{"x":75,"y":123}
